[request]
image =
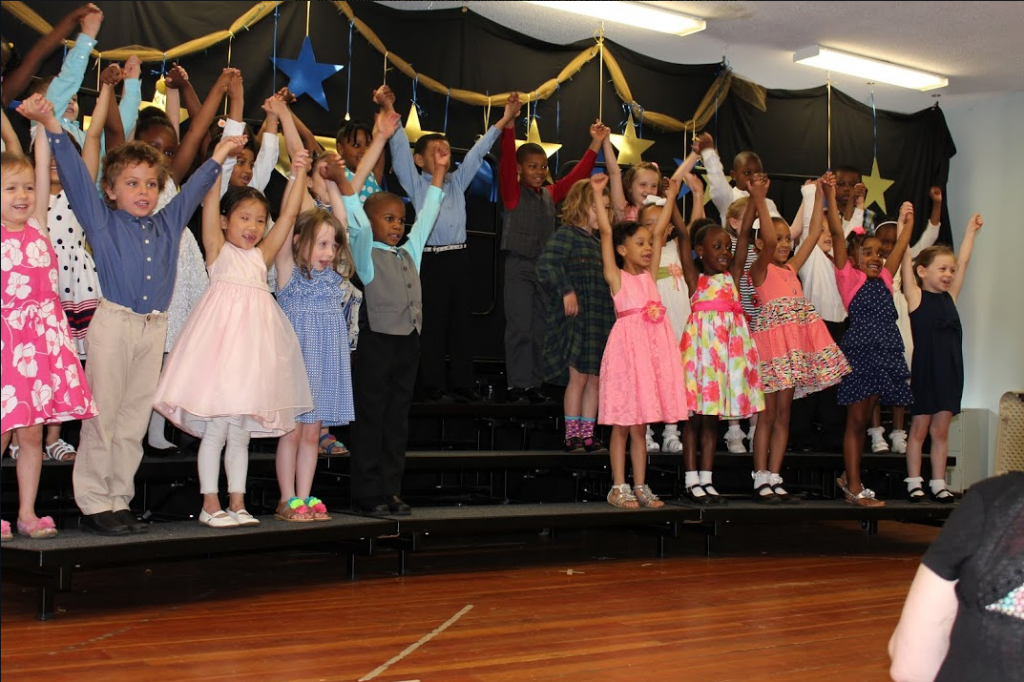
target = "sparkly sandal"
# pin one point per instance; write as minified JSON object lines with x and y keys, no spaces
{"x":865,"y":498}
{"x":317,"y":508}
{"x":620,"y":496}
{"x":293,"y":510}
{"x":646,"y":497}
{"x":39,"y":529}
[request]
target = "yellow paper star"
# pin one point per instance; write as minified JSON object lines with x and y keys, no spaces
{"x":412,"y":127}
{"x":629,"y":145}
{"x":160,"y":100}
{"x":876,"y":186}
{"x":534,"y":137}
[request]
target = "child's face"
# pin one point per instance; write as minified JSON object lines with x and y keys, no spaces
{"x":886,"y":235}
{"x":592,"y":224}
{"x":246,"y":225}
{"x":645,"y":183}
{"x":71,"y":113}
{"x":783,"y":244}
{"x":324,"y":250}
{"x":715,"y":251}
{"x":533,"y":171}
{"x":18,"y":202}
{"x":160,"y":139}
{"x":136,"y":189}
{"x":825,"y":241}
{"x":638,"y":249}
{"x":241,"y":174}
{"x":845,"y":182}
{"x":387,"y":220}
{"x":353,"y":151}
{"x":870,"y":260}
{"x":426,"y":159}
{"x":742,"y":175}
{"x":938,"y":275}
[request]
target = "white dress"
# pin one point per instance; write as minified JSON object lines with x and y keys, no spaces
{"x":675,"y":296}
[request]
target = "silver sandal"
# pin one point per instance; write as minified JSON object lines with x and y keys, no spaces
{"x":646,"y":497}
{"x":620,"y":496}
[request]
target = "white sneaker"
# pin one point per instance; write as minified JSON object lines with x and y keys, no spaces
{"x":899,"y":441}
{"x":219,"y":519}
{"x":652,"y":445}
{"x":734,"y":440}
{"x":878,"y":443}
{"x":671,"y":442}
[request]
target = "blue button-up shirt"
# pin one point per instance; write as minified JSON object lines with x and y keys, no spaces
{"x":451,"y":221}
{"x":136,"y":258}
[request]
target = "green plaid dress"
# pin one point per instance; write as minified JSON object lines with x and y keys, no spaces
{"x":571,"y":261}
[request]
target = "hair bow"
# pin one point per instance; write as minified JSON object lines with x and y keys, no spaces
{"x":654,"y":200}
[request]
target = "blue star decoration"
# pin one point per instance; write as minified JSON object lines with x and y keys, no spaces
{"x":306,"y":75}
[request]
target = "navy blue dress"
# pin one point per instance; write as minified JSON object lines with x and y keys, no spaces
{"x":937,"y":375}
{"x":874,"y":348}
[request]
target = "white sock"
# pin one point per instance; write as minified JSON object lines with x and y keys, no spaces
{"x":691,"y":480}
{"x":156,"y":436}
{"x":936,"y":484}
{"x":705,"y":478}
{"x":913,"y":482}
{"x":876,"y":432}
{"x":775,"y":481}
{"x":762,"y":478}
{"x":670,"y":430}
{"x":734,"y":432}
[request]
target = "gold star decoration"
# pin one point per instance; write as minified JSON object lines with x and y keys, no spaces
{"x":629,"y":145}
{"x":412,"y":127}
{"x":160,"y":100}
{"x":876,"y":186}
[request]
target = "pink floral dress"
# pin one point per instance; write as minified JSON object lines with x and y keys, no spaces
{"x":42,"y":380}
{"x":720,"y":360}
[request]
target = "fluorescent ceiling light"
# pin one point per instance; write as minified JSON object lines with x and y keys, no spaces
{"x":640,"y":14}
{"x":870,"y":69}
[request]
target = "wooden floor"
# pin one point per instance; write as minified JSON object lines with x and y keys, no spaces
{"x":793,"y":602}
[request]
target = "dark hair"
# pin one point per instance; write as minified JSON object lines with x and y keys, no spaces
{"x":620,"y":233}
{"x":378,"y":199}
{"x":928,"y":256}
{"x":349,"y":130}
{"x":132,"y":154}
{"x":529,"y":149}
{"x":236,"y":195}
{"x":700,"y":229}
{"x":745,"y":157}
{"x":421,"y":144}
{"x":39,"y":86}
{"x":847,"y":168}
{"x":154,"y":121}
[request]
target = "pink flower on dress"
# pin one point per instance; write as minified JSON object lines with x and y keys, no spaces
{"x":654,"y":312}
{"x":16,"y":318}
{"x":744,"y":404}
{"x":676,"y":272}
{"x":710,"y":394}
{"x":736,"y":347}
{"x":71,"y":376}
{"x":752,"y":357}
{"x":722,"y":334}
{"x":724,"y":294}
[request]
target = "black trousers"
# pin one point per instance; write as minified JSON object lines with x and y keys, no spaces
{"x":447,"y":309}
{"x":818,"y":421}
{"x":524,"y":323}
{"x":383,"y":378}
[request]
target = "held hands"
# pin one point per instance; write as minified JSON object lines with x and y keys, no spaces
{"x":696,"y":188}
{"x":333,"y":168}
{"x":112,"y":75}
{"x":599,"y":132}
{"x":228,"y":146}
{"x":906,"y":216}
{"x":176,"y":77}
{"x":826,"y":184}
{"x":235,"y":89}
{"x":387,"y":123}
{"x":301,"y":163}
{"x":571,"y":304}
{"x":91,"y":20}
{"x":286,"y":95}
{"x":703,"y":141}
{"x":860,"y":191}
{"x":975,"y":223}
{"x":275,"y":105}
{"x":598,"y":181}
{"x":512,"y":107}
{"x":384,"y":97}
{"x":935,"y":193}
{"x":758,"y":187}
{"x":224,"y":79}
{"x":132,"y":67}
{"x":36,"y":108}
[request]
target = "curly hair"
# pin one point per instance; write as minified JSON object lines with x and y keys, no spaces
{"x":577,"y":204}
{"x":128,"y":155}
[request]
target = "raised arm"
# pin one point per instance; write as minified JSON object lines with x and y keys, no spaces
{"x":904,"y":228}
{"x":10,"y":138}
{"x":661,"y":227}
{"x":685,"y":246}
{"x":964,"y":257}
{"x":92,"y":148}
{"x":583,"y":169}
{"x":810,"y":243}
{"x":189,"y":146}
{"x":213,"y":234}
{"x":612,"y":275}
{"x":426,"y":216}
{"x":42,"y":170}
{"x":282,"y":230}
{"x":718,"y":183}
{"x":758,"y":188}
{"x":292,"y":139}
{"x":131,"y":97}
{"x":802,"y":219}
{"x":835,"y":226}
{"x":739,"y":258}
{"x":464,"y":174}
{"x":177,"y":83}
{"x":611,"y":166}
{"x":69,"y":80}
{"x":383,"y":129}
{"x":684,"y":169}
{"x":931,"y":230}
{"x":110,"y":126}
{"x":697,"y":194}
{"x":911,"y":289}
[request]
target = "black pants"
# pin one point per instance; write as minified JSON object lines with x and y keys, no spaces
{"x":383,"y":378}
{"x":524,"y":322}
{"x":817,"y":421}
{"x":446,"y":318}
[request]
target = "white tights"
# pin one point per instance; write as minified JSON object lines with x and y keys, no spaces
{"x":236,"y":457}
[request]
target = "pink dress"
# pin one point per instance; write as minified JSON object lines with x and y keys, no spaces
{"x":237,"y":357}
{"x":42,"y":380}
{"x":641,"y":376}
{"x":794,"y":345}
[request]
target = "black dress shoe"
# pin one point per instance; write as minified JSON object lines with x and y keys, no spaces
{"x":436,"y":395}
{"x":128,"y":519}
{"x":516,"y":396}
{"x":151,"y":451}
{"x":372,"y":507}
{"x":466,"y":395}
{"x":398,"y":506}
{"x":536,"y":396}
{"x":104,"y":523}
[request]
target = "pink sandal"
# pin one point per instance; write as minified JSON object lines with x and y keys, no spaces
{"x":38,"y":529}
{"x":5,"y":532}
{"x":318,"y":509}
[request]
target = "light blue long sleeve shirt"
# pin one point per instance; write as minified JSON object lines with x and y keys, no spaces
{"x":360,"y":233}
{"x":451,"y":221}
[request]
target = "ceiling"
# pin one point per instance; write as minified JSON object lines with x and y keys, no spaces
{"x":977,"y":45}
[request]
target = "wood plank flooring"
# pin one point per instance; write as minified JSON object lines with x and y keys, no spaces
{"x":814,"y":601}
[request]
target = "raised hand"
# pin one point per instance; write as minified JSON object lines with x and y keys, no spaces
{"x":384,"y":97}
{"x":513,"y":106}
{"x":860,"y":191}
{"x":387,"y":123}
{"x":301,"y":162}
{"x":132,"y":67}
{"x":599,"y":132}
{"x":935,"y":193}
{"x":975,"y":223}
{"x":442,"y":158}
{"x":598,"y":181}
{"x":276,"y":105}
{"x":286,"y":95}
{"x":235,"y":85}
{"x":758,"y":186}
{"x":176,"y":77}
{"x":333,"y":168}
{"x":695,"y":185}
{"x":112,"y":75}
{"x":702,"y":142}
{"x":229,"y":146}
{"x":906,"y":215}
{"x":36,"y":108}
{"x":224,"y":79}
{"x":91,"y":20}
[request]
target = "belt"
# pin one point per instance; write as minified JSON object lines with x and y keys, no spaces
{"x":442,"y":249}
{"x":717,"y":306}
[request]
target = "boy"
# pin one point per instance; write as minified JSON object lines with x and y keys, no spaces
{"x":384,"y":365}
{"x":446,"y":298}
{"x":745,"y":166}
{"x":136,"y":253}
{"x":528,"y":221}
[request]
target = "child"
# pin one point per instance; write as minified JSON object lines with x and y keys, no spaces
{"x":239,"y":344}
{"x":353,"y":142}
{"x":720,"y":360}
{"x":42,"y":378}
{"x":932,"y":283}
{"x":384,"y":367}
{"x":580,"y":312}
{"x":796,"y":352}
{"x":136,"y":253}
{"x":641,"y":381}
{"x":528,"y":222}
{"x":872,"y":344}
{"x":310,"y":293}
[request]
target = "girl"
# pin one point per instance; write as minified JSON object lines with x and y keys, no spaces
{"x":42,"y":380}
{"x":239,"y":345}
{"x":311,"y":296}
{"x":580,"y":312}
{"x":641,"y":382}
{"x":932,"y":284}
{"x":796,"y":351}
{"x":719,"y":358}
{"x":871,"y":344}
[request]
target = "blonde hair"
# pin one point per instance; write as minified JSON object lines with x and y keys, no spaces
{"x":578,"y":202}
{"x":12,"y":163}
{"x":737,"y":208}
{"x":307,"y":225}
{"x":928,"y":256}
{"x":630,"y":176}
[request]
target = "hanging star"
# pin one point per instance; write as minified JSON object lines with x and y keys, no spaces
{"x":685,"y":189}
{"x":876,"y":185}
{"x":412,"y":126}
{"x":629,"y":145}
{"x":306,"y":74}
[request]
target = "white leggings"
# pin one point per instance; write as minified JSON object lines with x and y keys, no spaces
{"x":236,"y":458}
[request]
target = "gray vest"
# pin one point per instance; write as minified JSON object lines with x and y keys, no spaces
{"x":527,"y":227}
{"x":393,"y":301}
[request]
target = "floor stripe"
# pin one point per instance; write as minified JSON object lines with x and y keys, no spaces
{"x":423,"y":640}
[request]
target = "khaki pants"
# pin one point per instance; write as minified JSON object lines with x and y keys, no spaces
{"x":124,"y":353}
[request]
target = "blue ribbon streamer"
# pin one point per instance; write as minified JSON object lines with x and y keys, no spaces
{"x":625,"y":111}
{"x":419,"y":109}
{"x":447,"y":99}
{"x":273,"y":84}
{"x":348,"y":91}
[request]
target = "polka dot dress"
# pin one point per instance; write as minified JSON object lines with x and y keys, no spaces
{"x":78,"y":285}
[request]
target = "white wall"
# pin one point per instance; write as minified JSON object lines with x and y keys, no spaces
{"x":985,"y":177}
